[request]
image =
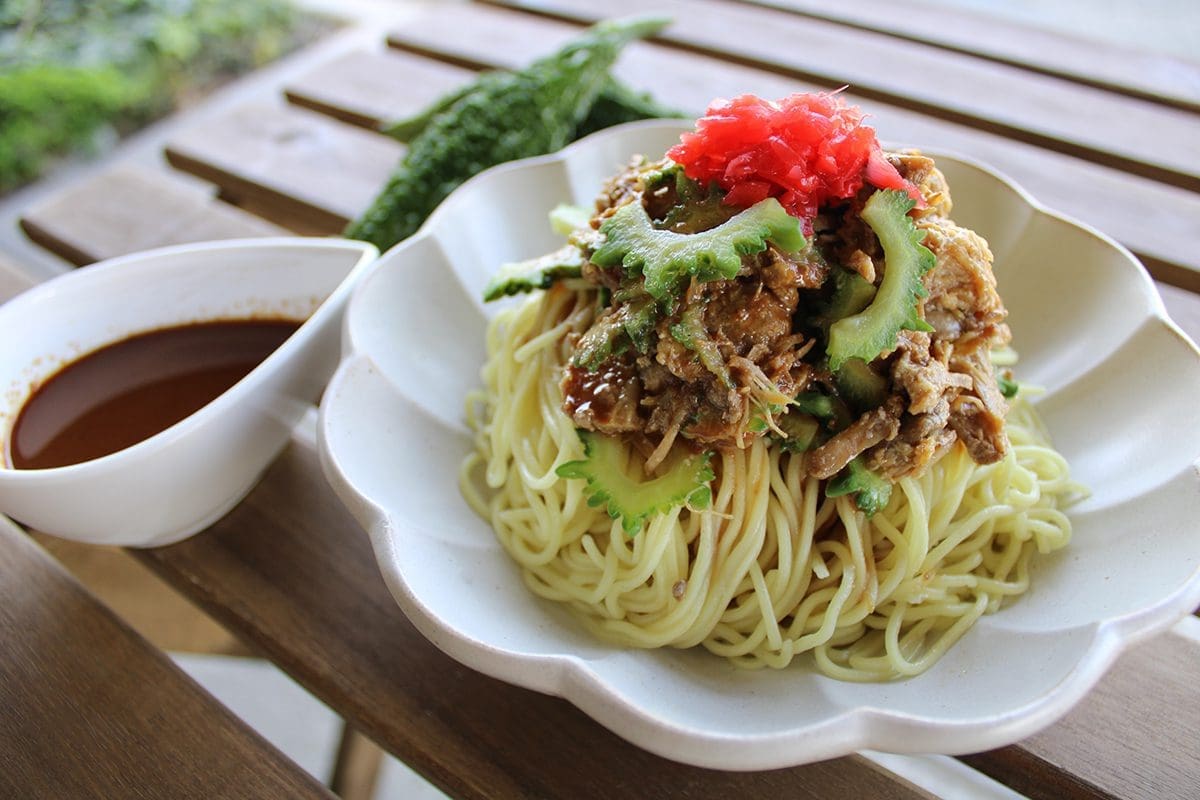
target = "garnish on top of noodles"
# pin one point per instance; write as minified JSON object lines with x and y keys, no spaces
{"x":777,"y":274}
{"x":806,"y":150}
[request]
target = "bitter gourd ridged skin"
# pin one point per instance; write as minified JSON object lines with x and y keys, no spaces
{"x":874,"y":330}
{"x":514,"y":115}
{"x":617,"y":103}
{"x":668,"y":259}
{"x":536,"y":273}
{"x":629,"y":499}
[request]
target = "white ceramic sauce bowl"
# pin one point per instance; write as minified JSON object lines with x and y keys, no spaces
{"x":181,"y":480}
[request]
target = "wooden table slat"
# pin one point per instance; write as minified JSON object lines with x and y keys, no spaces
{"x":1118,"y":742}
{"x":1184,"y":308}
{"x":128,"y":208}
{"x":291,"y":573}
{"x":93,"y":710}
{"x":305,"y":589}
{"x":367,"y":88}
{"x":1148,"y":75}
{"x":13,"y":278}
{"x":1098,"y":195}
{"x":311,"y":174}
{"x":312,"y":168}
{"x":1079,"y":120}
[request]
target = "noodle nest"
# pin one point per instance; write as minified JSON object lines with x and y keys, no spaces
{"x":773,"y":568}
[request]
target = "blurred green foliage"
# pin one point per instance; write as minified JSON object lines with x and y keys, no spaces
{"x":74,"y":72}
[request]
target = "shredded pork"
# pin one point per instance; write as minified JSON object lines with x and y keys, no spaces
{"x":755,"y":357}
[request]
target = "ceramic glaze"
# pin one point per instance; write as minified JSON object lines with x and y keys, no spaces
{"x":1089,"y":328}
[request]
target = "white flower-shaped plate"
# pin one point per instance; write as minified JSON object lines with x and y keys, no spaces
{"x":1121,"y":384}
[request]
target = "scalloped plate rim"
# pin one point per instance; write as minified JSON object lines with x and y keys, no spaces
{"x":853,"y":728}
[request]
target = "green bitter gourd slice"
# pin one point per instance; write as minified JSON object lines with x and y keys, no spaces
{"x":685,"y":481}
{"x":666,"y":259}
{"x":873,"y":331}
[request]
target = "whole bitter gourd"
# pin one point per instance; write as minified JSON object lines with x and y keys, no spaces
{"x":513,"y":115}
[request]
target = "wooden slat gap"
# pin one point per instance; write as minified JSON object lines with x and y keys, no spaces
{"x":448,"y":58}
{"x":1167,"y":272}
{"x":1094,"y":83}
{"x":128,"y":208}
{"x":298,"y":220}
{"x":1161,"y":174}
{"x":236,"y":191}
{"x":93,"y":709}
{"x":441,"y":718}
{"x":311,"y":677}
{"x":330,"y":110}
{"x":1032,"y":776}
{"x":43,"y":238}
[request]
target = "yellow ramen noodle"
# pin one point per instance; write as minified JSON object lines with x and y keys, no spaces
{"x":773,"y":568}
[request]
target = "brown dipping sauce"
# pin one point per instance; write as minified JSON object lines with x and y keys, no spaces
{"x":130,"y":390}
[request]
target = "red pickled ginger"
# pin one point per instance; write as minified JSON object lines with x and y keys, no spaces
{"x":805,"y":150}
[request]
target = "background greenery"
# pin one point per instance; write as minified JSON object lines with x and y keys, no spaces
{"x":75,"y":74}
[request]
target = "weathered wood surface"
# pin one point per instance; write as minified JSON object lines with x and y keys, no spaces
{"x":315,"y":169}
{"x":90,"y":709}
{"x":13,"y":278}
{"x":1020,"y":104}
{"x":1120,"y":741}
{"x":1100,"y":196}
{"x":290,"y":571}
{"x":128,"y":208}
{"x":1151,"y":76}
{"x":367,"y":88}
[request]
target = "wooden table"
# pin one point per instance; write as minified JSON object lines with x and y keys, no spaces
{"x":1107,"y":136}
